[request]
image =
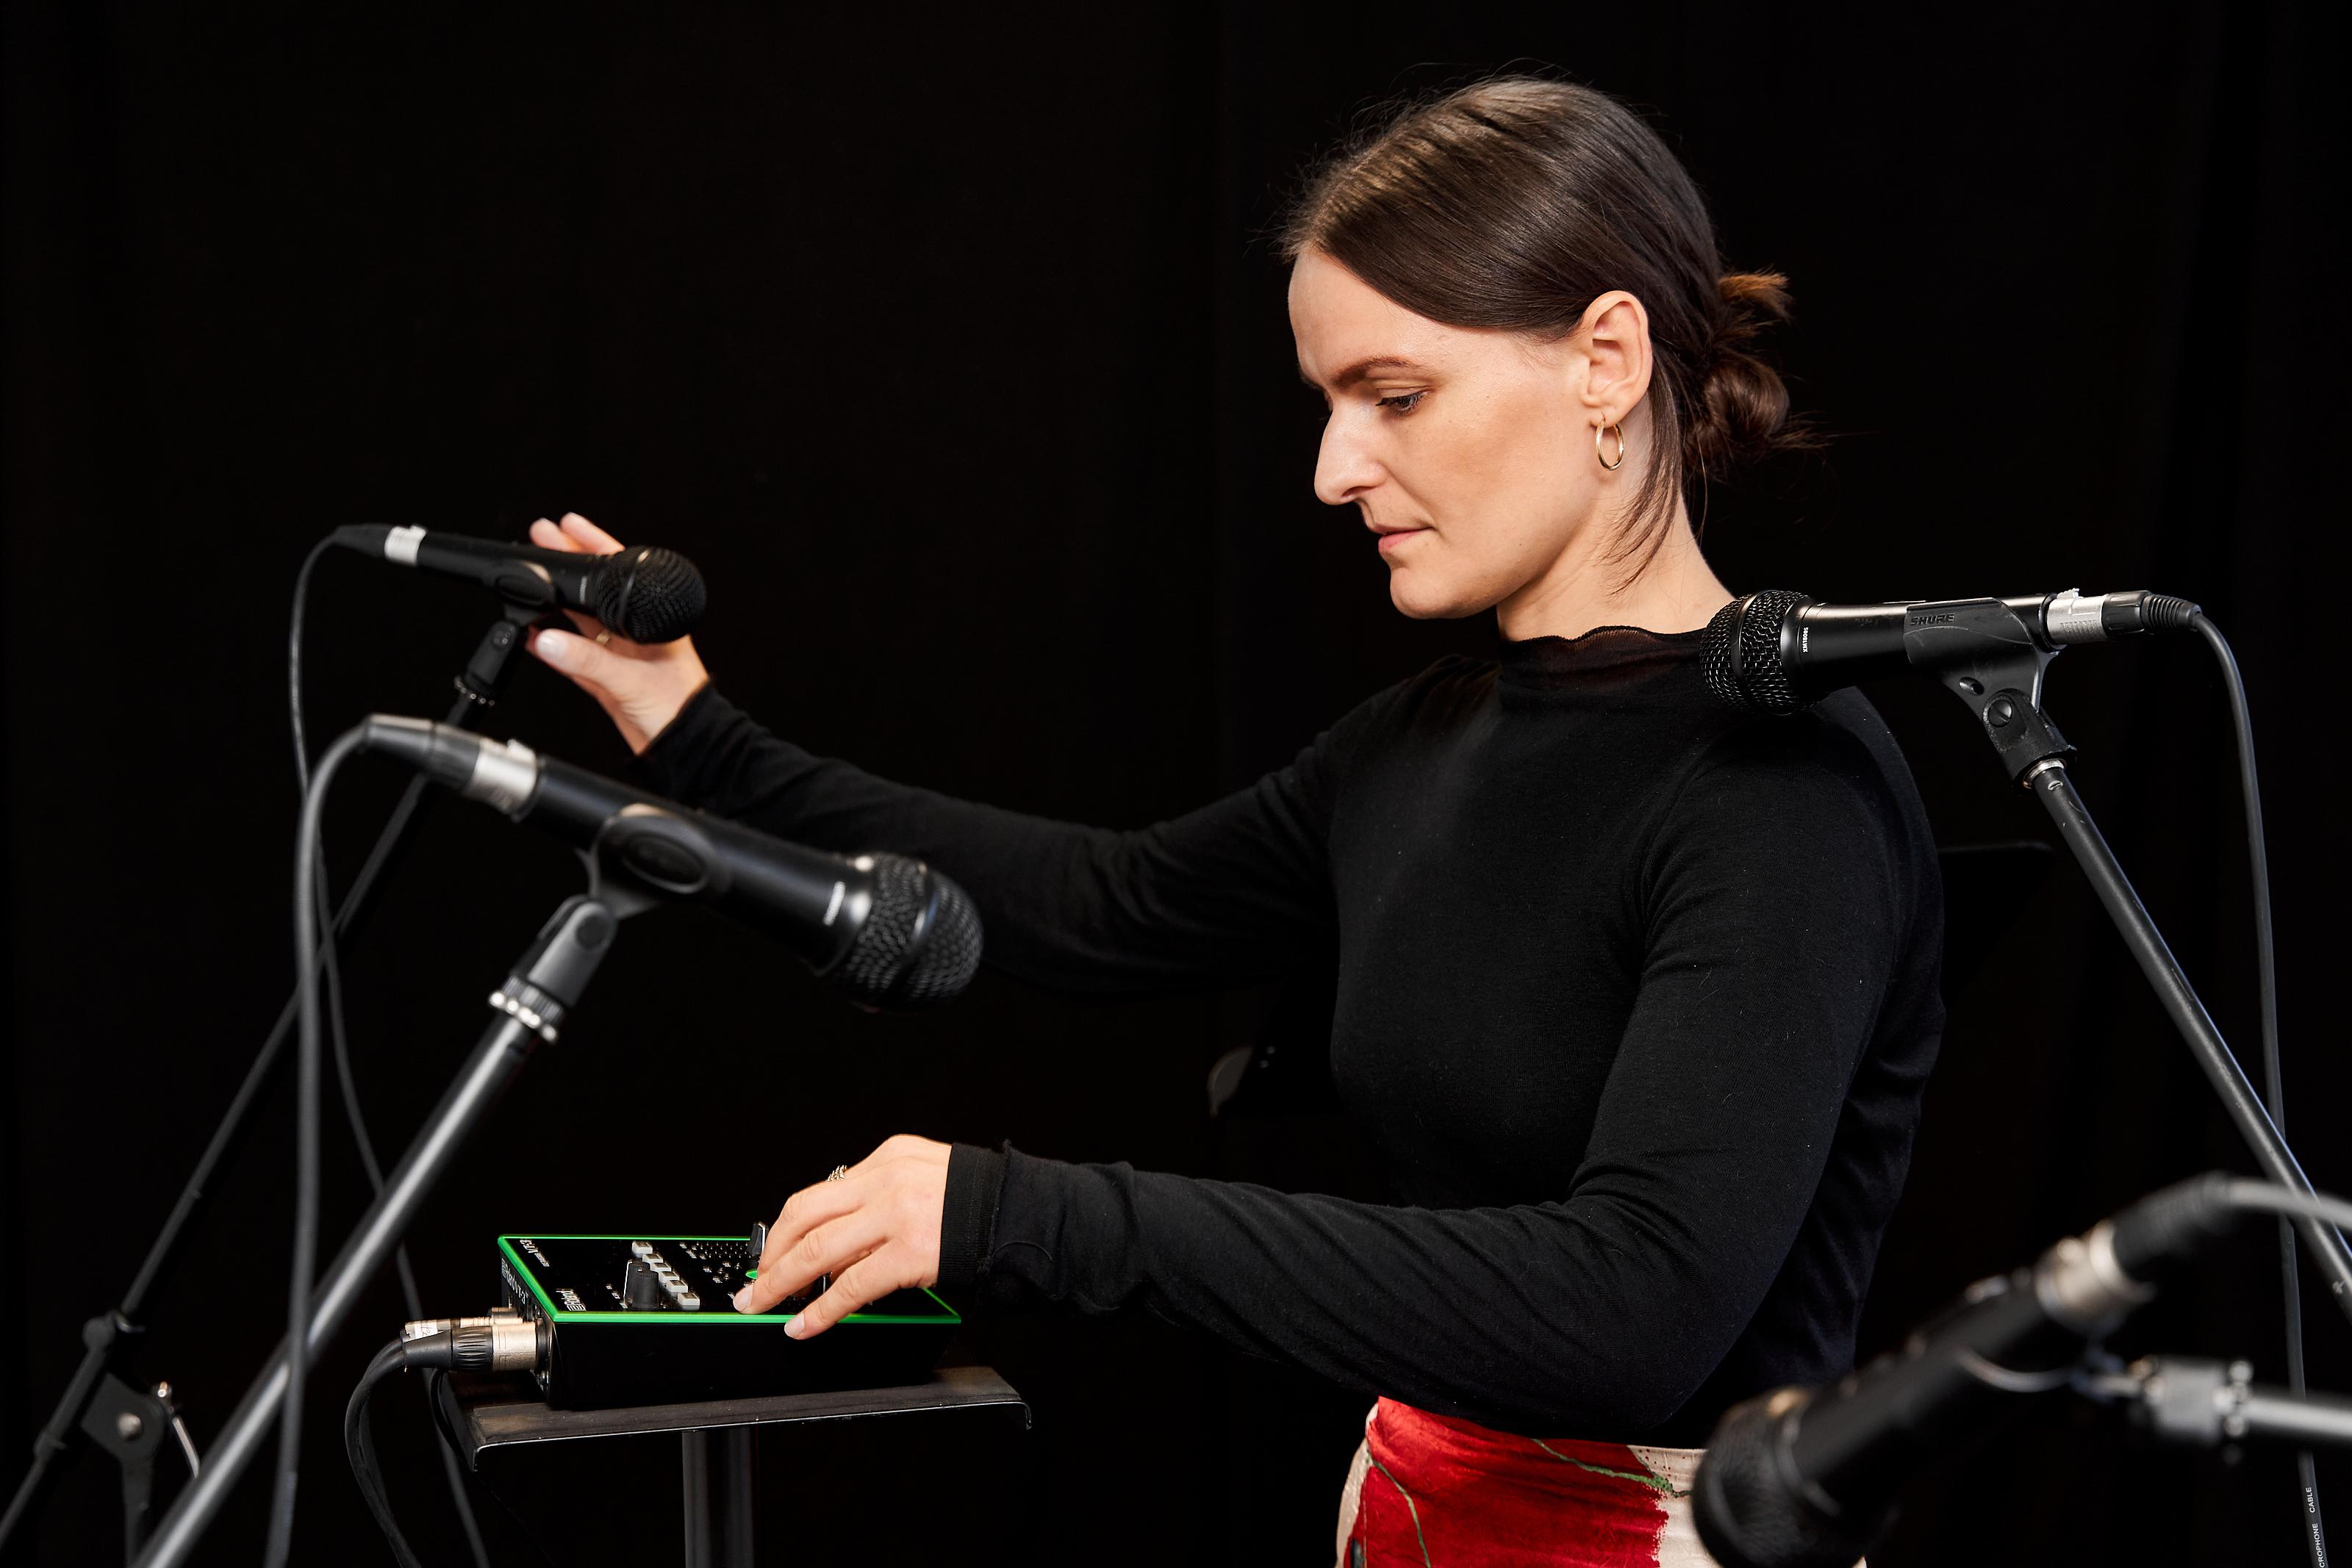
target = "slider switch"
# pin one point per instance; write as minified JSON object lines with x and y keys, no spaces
{"x":640,"y":1286}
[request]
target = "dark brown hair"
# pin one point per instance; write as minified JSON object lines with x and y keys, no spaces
{"x":1514,"y":203}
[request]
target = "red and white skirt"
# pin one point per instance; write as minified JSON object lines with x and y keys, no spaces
{"x":1428,"y":1490}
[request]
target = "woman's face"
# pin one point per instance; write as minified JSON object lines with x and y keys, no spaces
{"x":1469,"y":452}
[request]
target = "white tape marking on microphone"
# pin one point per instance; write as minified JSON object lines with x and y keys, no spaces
{"x":399,"y":545}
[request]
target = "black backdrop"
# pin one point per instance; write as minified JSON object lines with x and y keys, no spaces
{"x":951,"y":346}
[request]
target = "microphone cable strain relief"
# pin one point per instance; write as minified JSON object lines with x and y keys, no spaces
{"x":452,"y":756}
{"x":472,"y":1346}
{"x":2164,"y":1229}
{"x":2128,"y":614}
{"x":442,"y":754}
{"x":437,"y":1349}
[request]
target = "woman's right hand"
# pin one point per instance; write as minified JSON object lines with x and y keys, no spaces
{"x":640,"y":686}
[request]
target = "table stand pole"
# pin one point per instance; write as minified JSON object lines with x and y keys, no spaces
{"x":722,"y":1473}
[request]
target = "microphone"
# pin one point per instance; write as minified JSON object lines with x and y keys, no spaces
{"x":1807,"y":1479}
{"x":1777,"y":651}
{"x":645,"y":594}
{"x":888,"y":929}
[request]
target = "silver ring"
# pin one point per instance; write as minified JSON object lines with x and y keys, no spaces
{"x":838,"y":1173}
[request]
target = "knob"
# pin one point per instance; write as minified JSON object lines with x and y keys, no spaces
{"x":640,"y":1286}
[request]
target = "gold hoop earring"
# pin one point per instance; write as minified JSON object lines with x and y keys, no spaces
{"x":1598,"y":431}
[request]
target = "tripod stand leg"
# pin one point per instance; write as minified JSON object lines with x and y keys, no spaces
{"x":138,"y":1493}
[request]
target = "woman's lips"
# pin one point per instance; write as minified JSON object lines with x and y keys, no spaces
{"x":1389,"y":541}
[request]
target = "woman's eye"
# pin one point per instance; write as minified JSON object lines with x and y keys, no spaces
{"x":1402,"y":402}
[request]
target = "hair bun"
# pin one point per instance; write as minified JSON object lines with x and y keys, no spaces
{"x":1743,"y":412}
{"x":1746,"y":297}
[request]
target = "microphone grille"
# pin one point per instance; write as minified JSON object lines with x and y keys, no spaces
{"x":1742,"y":657}
{"x":650,"y":595}
{"x":920,"y":942}
{"x":1753,"y":1511}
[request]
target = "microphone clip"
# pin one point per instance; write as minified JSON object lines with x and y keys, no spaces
{"x":485,"y":675}
{"x":1986,"y":654}
{"x":644,"y":856}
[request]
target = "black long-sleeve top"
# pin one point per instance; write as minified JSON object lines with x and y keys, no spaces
{"x":1636,"y":999}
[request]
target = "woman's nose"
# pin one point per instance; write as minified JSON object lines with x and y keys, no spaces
{"x":1344,"y":469}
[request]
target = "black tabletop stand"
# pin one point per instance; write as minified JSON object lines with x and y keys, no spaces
{"x":718,"y":1438}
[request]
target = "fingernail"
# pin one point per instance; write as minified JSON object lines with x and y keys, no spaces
{"x":743,"y":1299}
{"x":552,"y":645}
{"x":793,"y":1326}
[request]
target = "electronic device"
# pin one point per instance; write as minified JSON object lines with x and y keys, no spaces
{"x":651,"y":1320}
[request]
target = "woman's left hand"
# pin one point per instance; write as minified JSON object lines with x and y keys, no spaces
{"x":876,"y":1230}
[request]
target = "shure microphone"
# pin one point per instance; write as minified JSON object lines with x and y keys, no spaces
{"x":1808,"y":1478}
{"x":1777,"y":651}
{"x":645,"y":594}
{"x":889,"y":930}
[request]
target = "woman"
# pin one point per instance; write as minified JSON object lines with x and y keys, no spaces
{"x":1635,"y":996}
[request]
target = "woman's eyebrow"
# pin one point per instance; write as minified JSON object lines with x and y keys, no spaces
{"x":1359,"y":370}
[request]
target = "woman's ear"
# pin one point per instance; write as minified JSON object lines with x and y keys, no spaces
{"x":1616,"y":332}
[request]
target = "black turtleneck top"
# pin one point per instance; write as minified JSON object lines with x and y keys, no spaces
{"x":1636,"y":999}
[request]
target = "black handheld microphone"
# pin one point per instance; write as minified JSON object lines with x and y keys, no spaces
{"x":888,"y":929}
{"x":645,"y":594}
{"x":1777,"y":651}
{"x":1808,"y":1478}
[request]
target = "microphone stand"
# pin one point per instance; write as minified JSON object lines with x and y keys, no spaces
{"x":1986,"y":654}
{"x":537,"y":996}
{"x":127,"y":1420}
